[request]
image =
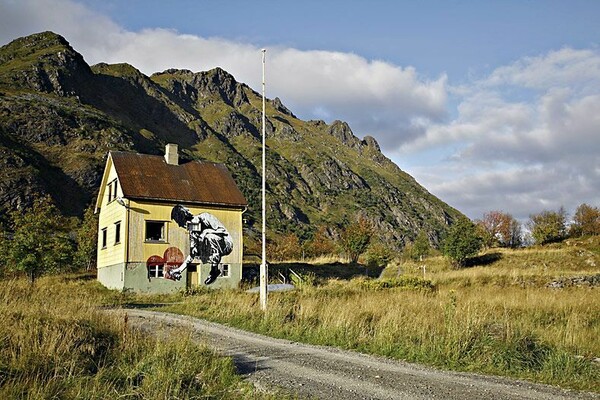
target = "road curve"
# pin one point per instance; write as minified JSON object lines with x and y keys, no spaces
{"x":329,"y":373}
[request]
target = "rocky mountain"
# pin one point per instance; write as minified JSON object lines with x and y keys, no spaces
{"x":59,"y":117}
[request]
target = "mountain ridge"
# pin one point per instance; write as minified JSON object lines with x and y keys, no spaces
{"x":59,"y":117}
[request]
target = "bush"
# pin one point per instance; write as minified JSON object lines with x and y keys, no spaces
{"x":284,"y":247}
{"x":321,"y":244}
{"x":355,"y":238}
{"x":420,"y":248}
{"x":462,"y":242}
{"x":378,"y":255}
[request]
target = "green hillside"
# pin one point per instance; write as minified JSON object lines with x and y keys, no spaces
{"x":59,"y":117}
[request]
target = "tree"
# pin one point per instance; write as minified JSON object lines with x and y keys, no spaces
{"x":500,"y":229}
{"x":284,"y":247}
{"x":321,"y":244}
{"x":461,"y":242}
{"x":586,"y":221}
{"x":355,"y":238}
{"x":87,"y":240}
{"x":420,"y":247}
{"x":548,"y":226}
{"x":40,"y":241}
{"x":515,"y":235}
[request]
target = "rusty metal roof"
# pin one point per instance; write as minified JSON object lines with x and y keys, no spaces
{"x":144,"y":176}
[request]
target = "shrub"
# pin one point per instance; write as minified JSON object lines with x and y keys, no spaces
{"x":378,"y":255}
{"x":462,"y":242}
{"x":87,"y":242}
{"x":355,"y":238}
{"x":420,"y":248}
{"x":284,"y":247}
{"x":321,"y":243}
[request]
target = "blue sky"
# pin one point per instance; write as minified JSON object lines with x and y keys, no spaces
{"x":491,"y":105}
{"x":453,"y":37}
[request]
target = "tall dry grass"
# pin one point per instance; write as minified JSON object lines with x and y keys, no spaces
{"x":56,"y":343}
{"x":499,"y":318}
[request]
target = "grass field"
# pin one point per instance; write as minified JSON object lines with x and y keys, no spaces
{"x":57,"y":344}
{"x":497,"y":316}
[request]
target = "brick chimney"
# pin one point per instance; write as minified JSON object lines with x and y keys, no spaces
{"x":171,"y":154}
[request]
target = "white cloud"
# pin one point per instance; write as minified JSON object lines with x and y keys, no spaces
{"x":526,"y":138}
{"x":563,"y":68}
{"x":375,"y":97}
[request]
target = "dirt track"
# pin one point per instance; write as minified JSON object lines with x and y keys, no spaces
{"x":329,"y":373}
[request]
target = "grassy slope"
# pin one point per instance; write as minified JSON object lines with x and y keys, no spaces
{"x":499,"y":318}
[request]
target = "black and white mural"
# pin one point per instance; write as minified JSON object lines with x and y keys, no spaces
{"x":209,"y":241}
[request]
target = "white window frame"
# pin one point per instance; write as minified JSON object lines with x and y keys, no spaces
{"x":112,"y":190}
{"x":156,"y":271}
{"x":163,"y":239}
{"x":225,"y":270}
{"x":117,"y":233}
{"x":104,"y":237}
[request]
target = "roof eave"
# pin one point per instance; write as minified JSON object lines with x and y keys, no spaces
{"x":190,"y":202}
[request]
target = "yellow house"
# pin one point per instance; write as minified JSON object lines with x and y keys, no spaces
{"x":138,"y":241}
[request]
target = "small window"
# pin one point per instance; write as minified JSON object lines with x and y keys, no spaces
{"x":155,"y":271}
{"x":117,"y":232}
{"x":112,"y":190}
{"x":225,"y":272}
{"x":104,"y":238}
{"x":155,"y":231}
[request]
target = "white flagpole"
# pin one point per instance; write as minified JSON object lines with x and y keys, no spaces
{"x":263,"y":265}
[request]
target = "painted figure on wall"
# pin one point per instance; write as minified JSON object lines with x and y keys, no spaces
{"x":209,"y":241}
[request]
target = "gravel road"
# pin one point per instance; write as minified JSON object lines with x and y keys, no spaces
{"x":319,"y":372}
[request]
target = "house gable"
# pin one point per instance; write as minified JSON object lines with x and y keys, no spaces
{"x":104,"y":183}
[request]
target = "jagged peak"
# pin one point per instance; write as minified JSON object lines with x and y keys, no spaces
{"x":221,"y":82}
{"x":40,"y":40}
{"x":220,"y":73}
{"x":278,"y":105}
{"x":370,"y":141}
{"x":36,"y":46}
{"x":342,"y":131}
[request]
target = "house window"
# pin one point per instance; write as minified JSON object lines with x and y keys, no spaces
{"x":225,"y":272}
{"x":155,"y":271}
{"x":117,"y":232}
{"x":112,"y":190}
{"x":104,"y":238}
{"x":155,"y":231}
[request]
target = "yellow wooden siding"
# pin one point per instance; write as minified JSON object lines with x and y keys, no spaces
{"x":110,"y":213}
{"x":140,"y":212}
